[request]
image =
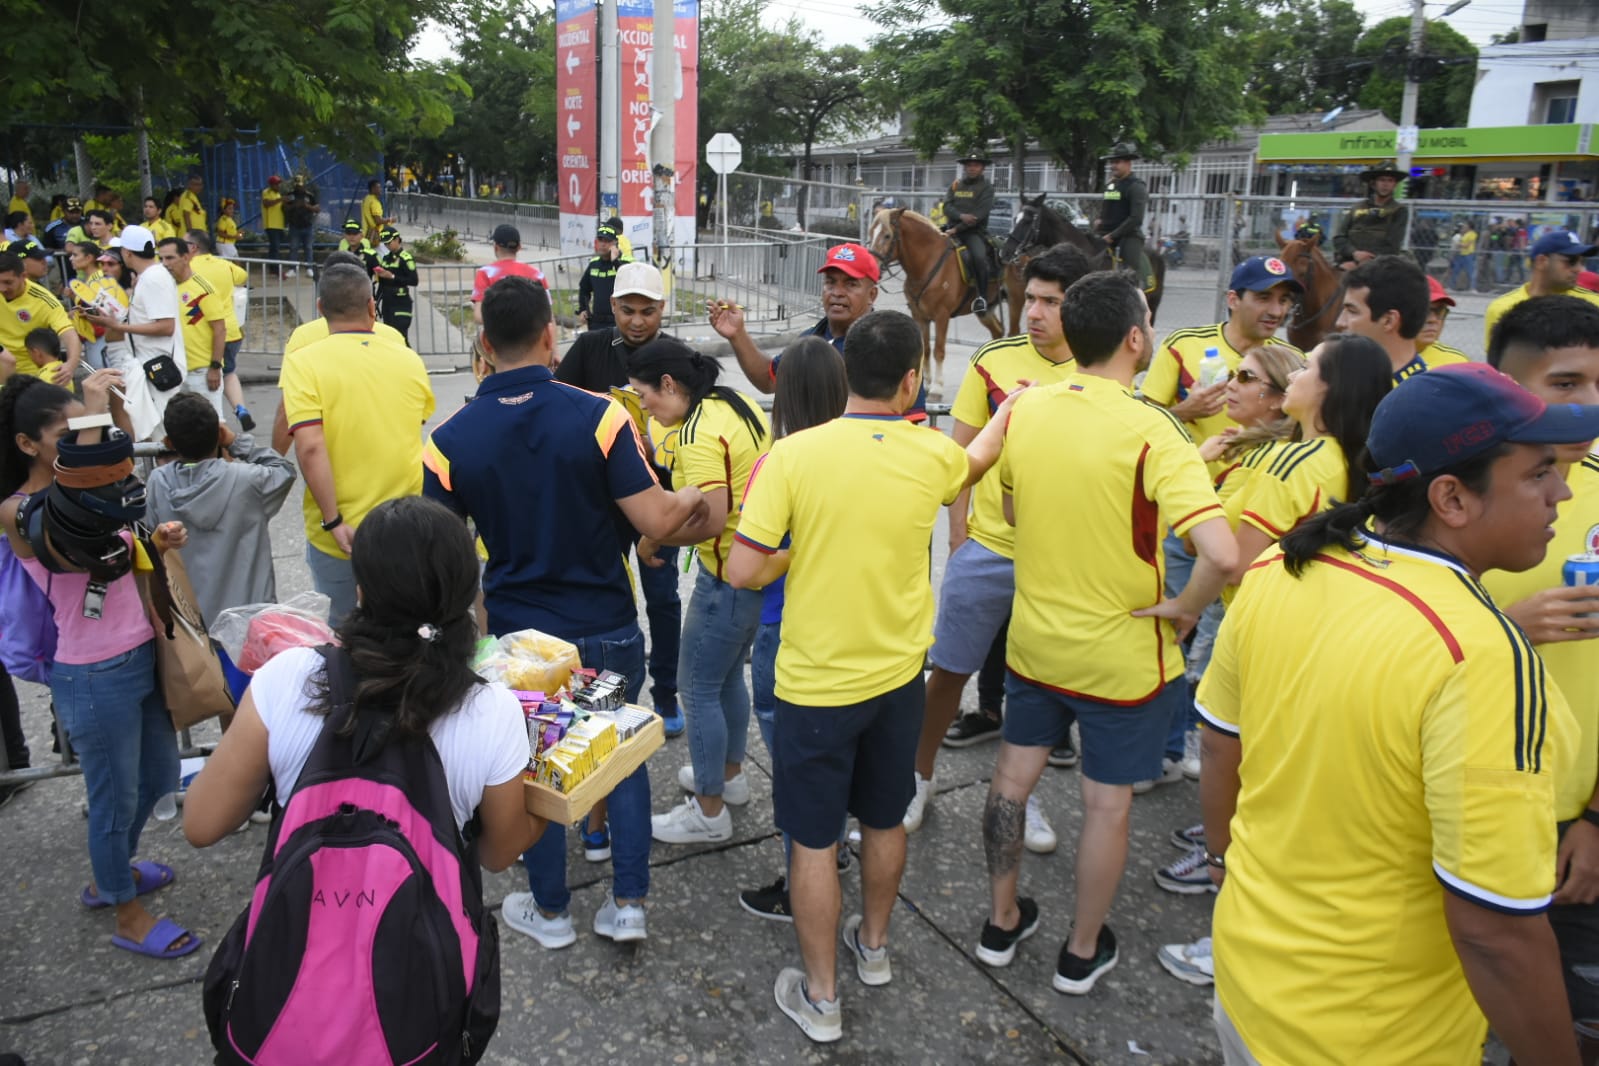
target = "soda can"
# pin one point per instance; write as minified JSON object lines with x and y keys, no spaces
{"x":1581,"y":570}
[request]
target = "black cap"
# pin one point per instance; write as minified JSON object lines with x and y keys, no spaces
{"x":605,"y":233}
{"x":507,"y":236}
{"x":352,"y":226}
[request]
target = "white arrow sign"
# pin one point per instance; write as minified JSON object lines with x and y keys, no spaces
{"x":572,"y":62}
{"x":577,"y":192}
{"x":572,"y":126}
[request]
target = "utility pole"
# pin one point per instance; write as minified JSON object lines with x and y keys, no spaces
{"x":610,"y":111}
{"x":1407,"y":107}
{"x":663,"y":138}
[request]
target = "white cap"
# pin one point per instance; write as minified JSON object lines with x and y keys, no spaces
{"x":639,"y":279}
{"x":137,"y":239}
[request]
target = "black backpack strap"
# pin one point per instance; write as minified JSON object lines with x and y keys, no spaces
{"x":373,"y":726}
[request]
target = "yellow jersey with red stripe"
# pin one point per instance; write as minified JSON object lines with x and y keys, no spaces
{"x":715,"y":451}
{"x":1174,"y":372}
{"x":36,"y":307}
{"x":997,"y":368}
{"x":1292,"y":483}
{"x":198,"y":308}
{"x":224,"y":276}
{"x":1376,"y":777}
{"x":1088,"y":536}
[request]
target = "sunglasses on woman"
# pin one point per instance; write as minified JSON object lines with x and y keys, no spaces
{"x":1245,"y":376}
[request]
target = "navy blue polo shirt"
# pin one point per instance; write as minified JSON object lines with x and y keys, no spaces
{"x":538,"y":466}
{"x":917,"y":411}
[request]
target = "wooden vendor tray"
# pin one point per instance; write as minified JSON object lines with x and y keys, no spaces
{"x":565,"y":808}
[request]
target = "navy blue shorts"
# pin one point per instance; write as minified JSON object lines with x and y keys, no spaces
{"x":1121,"y":744}
{"x":230,"y":356}
{"x":858,"y":759}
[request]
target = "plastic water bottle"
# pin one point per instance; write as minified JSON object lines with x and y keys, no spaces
{"x":1213,"y":369}
{"x":166,"y":808}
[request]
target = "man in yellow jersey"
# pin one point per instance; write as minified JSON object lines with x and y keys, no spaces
{"x":1387,"y":299}
{"x":355,"y":404}
{"x":27,"y":306}
{"x":225,"y":277}
{"x":1380,"y":814}
{"x":1091,"y":633}
{"x":974,"y":600}
{"x":1556,"y":261}
{"x":1433,"y":353}
{"x":1260,"y":297}
{"x":189,"y":205}
{"x":856,"y":627}
{"x":19,"y":198}
{"x":203,"y":325}
{"x":35,"y":258}
{"x":154,"y":222}
{"x":372,"y":218}
{"x":272,"y":219}
{"x":1550,"y":345}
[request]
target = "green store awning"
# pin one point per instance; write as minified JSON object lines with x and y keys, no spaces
{"x":1488,"y":144}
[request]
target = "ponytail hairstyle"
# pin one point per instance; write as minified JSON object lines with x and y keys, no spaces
{"x":413,"y":634}
{"x":1402,"y":507}
{"x":667,"y":356}
{"x":27,"y":405}
{"x":811,"y":387}
{"x":1358,"y":374}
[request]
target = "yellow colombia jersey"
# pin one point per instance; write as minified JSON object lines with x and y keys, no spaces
{"x":1497,"y":309}
{"x":859,"y":497}
{"x":1174,"y":372}
{"x":1573,"y":664}
{"x":191,"y":209}
{"x":198,"y":308}
{"x":271,"y":208}
{"x":19,"y":204}
{"x":1299,"y":481}
{"x":997,"y":368}
{"x":34,"y":308}
{"x":1088,"y":536}
{"x":224,"y":276}
{"x":162,"y":229}
{"x":370,"y":396}
{"x":715,"y":452}
{"x":317,"y":329}
{"x":227,"y":230}
{"x":371,"y":213}
{"x":1439,"y":354}
{"x":1376,"y":775}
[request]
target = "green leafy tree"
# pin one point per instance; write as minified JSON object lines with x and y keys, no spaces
{"x":1447,"y":79}
{"x":1301,"y":59}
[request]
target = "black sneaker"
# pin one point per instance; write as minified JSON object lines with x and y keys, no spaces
{"x":1075,"y":976}
{"x":1063,"y":754}
{"x":770,"y":902}
{"x":997,"y":947}
{"x":242,"y":412}
{"x":971,"y":729}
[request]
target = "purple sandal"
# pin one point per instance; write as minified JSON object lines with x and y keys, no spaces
{"x":153,"y":876}
{"x":159,"y":940}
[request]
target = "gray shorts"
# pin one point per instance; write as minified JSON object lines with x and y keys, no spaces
{"x":973,"y":603}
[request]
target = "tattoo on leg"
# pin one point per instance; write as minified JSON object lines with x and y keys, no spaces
{"x":1003,"y":822}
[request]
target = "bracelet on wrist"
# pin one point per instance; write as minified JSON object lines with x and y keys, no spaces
{"x":1590,"y":816}
{"x":333,"y":523}
{"x":1218,"y":861}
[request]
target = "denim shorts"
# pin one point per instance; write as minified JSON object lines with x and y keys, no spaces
{"x":859,"y":759}
{"x":230,"y":356}
{"x":1121,"y":744}
{"x":973,"y":602}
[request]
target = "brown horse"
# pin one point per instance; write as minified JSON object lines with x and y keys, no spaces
{"x":1038,"y":227}
{"x":1319,"y":304}
{"x":935,"y":292}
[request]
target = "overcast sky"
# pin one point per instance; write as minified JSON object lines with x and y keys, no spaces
{"x":842,"y":22}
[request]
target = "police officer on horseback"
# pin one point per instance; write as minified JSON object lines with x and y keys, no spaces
{"x":1121,"y":220}
{"x":1376,"y":225}
{"x":967,"y":206}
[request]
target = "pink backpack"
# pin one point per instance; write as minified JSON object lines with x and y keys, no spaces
{"x":366,"y":939}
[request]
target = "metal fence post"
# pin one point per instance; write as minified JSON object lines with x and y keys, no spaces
{"x":1224,"y":261}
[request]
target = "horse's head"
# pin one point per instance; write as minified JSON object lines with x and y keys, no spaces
{"x":1024,"y":230}
{"x":1303,"y":256}
{"x":882,"y":236}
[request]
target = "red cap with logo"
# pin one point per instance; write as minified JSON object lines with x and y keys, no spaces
{"x":1436,"y":293}
{"x":853,"y":260}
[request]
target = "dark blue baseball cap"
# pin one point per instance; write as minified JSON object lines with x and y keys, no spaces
{"x":1261,"y":272}
{"x":1433,"y":421}
{"x":1560,"y":242}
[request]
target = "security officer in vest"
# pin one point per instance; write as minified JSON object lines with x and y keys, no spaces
{"x":355,"y":243}
{"x":395,"y":271}
{"x":1121,"y":220}
{"x":1376,"y":225}
{"x":599,"y":278}
{"x":966,"y":209}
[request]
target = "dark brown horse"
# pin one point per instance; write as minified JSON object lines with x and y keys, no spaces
{"x":1318,"y":306}
{"x":935,"y":291}
{"x":1038,"y":227}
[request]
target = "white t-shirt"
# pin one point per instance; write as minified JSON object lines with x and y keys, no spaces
{"x":482,"y":743}
{"x":155,"y":296}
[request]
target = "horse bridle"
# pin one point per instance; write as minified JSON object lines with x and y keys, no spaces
{"x":1310,"y":273}
{"x":1032,"y":236}
{"x":886,"y":259}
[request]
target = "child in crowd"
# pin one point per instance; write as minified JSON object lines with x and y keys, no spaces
{"x":44,"y":348}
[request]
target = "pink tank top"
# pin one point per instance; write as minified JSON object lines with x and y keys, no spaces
{"x":121,"y":627}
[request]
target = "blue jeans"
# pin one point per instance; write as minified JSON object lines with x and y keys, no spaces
{"x":275,"y":243}
{"x":300,"y":242}
{"x":718,"y":631}
{"x":118,"y":724}
{"x":763,"y":686}
{"x":664,"y":609}
{"x":627,"y":807}
{"x":335,"y":579}
{"x":1179,"y":566}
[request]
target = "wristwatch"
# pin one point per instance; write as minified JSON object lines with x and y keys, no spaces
{"x":1590,"y":816}
{"x":333,"y":523}
{"x":1218,"y":861}
{"x":216,"y":366}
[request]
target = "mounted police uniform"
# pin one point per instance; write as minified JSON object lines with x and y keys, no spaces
{"x":396,"y":295}
{"x":975,"y":197}
{"x":1122,"y":218}
{"x":1370,"y":226}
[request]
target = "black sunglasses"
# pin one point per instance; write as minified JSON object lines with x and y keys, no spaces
{"x":1245,"y":376}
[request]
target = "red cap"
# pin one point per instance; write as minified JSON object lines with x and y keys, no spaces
{"x":1587,"y":279}
{"x":853,"y":260}
{"x":274,"y":180}
{"x":1437,"y":293}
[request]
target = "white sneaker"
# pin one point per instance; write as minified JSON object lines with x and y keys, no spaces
{"x":620,"y":924}
{"x":1191,"y":755}
{"x":523,"y":915}
{"x":918,"y":808}
{"x":871,"y":964}
{"x":822,"y":1022}
{"x":687,"y":824}
{"x":1171,"y":771}
{"x":1192,"y":963}
{"x":1040,"y":835}
{"x":735,"y":790}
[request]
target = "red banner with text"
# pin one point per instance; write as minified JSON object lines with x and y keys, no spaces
{"x":577,"y":117}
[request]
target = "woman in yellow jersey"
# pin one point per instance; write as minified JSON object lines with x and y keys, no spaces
{"x":172,"y":211}
{"x":1383,"y":821}
{"x":721,"y":437}
{"x":1331,"y":402}
{"x":227,"y":233}
{"x":78,"y":294}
